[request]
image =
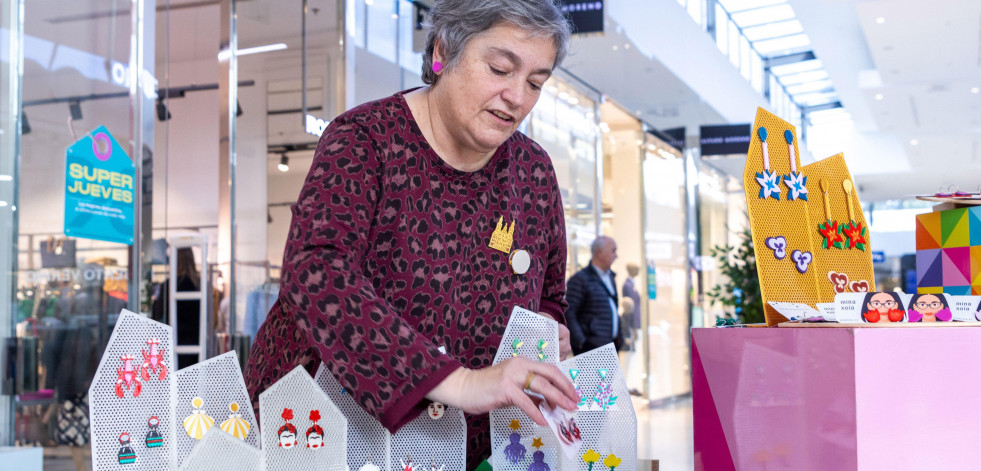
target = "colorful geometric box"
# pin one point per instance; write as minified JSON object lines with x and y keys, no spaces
{"x":948,"y":251}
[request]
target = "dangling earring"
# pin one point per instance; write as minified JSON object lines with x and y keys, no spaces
{"x":437,"y":66}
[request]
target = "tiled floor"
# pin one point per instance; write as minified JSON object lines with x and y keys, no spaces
{"x":665,"y":434}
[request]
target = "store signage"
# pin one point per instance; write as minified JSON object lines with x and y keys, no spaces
{"x":74,"y":275}
{"x":878,"y":256}
{"x":675,"y":137}
{"x":725,"y":139}
{"x":315,"y":125}
{"x":99,"y":189}
{"x":586,"y":15}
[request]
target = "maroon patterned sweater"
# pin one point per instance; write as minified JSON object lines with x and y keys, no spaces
{"x":387,"y":259}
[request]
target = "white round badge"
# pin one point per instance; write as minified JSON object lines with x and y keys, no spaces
{"x":520,"y":261}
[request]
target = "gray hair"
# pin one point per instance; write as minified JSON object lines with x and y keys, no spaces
{"x":455,"y":22}
{"x":598,"y":244}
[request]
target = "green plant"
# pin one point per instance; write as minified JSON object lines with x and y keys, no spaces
{"x":741,"y":290}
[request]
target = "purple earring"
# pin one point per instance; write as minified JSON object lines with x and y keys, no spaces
{"x":437,"y":66}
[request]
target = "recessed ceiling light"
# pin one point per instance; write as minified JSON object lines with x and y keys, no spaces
{"x":879,"y":96}
{"x":975,"y":90}
{"x":615,"y":47}
{"x":913,"y":142}
{"x":880,"y":20}
{"x":626,"y":46}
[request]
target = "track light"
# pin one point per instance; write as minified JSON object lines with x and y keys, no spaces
{"x":75,"y":108}
{"x":25,"y":125}
{"x":163,"y":114}
{"x":284,"y":163}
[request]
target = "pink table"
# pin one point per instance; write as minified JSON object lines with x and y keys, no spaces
{"x":836,"y":398}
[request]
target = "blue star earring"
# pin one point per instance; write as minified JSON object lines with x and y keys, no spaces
{"x":796,"y":182}
{"x":769,"y":181}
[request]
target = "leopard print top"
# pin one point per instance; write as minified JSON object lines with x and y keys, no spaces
{"x":387,"y":259}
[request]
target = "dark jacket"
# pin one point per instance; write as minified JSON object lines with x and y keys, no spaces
{"x":588,"y":317}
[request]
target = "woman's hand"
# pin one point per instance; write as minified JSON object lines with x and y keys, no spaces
{"x":565,"y":345}
{"x":502,"y":385}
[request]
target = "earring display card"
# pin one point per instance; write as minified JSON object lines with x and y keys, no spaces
{"x":428,"y":441}
{"x":285,"y":413}
{"x":609,"y":432}
{"x":220,"y":450}
{"x":366,"y":437}
{"x":529,"y":328}
{"x":128,"y":389}
{"x":218,"y":382}
{"x":803,"y":279}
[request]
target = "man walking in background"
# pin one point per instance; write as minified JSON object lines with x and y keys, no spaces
{"x":593,"y":317}
{"x":631,"y":317}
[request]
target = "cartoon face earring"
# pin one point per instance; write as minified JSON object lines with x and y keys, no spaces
{"x":515,"y":451}
{"x":153,"y":438}
{"x":287,"y":433}
{"x":796,"y":182}
{"x":126,"y":454}
{"x":315,"y":434}
{"x":436,"y":410}
{"x":769,"y":181}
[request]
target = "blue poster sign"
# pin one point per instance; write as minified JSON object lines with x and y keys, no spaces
{"x":99,"y":189}
{"x":651,"y":281}
{"x":878,"y":256}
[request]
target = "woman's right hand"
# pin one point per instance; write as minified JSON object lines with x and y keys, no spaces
{"x":502,"y":385}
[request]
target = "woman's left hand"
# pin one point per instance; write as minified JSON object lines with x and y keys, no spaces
{"x":565,"y":346}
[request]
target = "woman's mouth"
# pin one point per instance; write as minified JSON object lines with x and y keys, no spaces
{"x":504,"y":117}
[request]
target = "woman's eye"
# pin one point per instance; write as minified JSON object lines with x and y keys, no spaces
{"x":534,"y":86}
{"x":498,"y":71}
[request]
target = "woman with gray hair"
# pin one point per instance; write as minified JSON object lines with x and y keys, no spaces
{"x":425,"y":218}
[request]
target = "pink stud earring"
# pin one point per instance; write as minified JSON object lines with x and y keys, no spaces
{"x":437,"y":66}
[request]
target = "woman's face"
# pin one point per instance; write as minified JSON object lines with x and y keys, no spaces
{"x":436,"y":410}
{"x":928,"y":304}
{"x":881,"y":302}
{"x":494,"y":85}
{"x":287,"y":439}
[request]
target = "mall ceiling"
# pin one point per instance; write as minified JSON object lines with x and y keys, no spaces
{"x":909,"y":74}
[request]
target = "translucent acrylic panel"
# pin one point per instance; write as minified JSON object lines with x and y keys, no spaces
{"x":217,"y":382}
{"x":303,"y":429}
{"x":367,"y":438}
{"x":130,"y":402}
{"x":220,"y":450}
{"x":607,"y":421}
{"x":523,"y":336}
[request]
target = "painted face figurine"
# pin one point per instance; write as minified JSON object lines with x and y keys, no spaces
{"x":436,"y":410}
{"x":315,"y":434}
{"x":882,"y":307}
{"x":287,"y":433}
{"x":929,"y":308}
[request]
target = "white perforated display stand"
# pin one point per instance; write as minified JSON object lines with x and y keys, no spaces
{"x":529,"y":328}
{"x":218,"y":382}
{"x":110,"y":416}
{"x":427,"y":441}
{"x":366,"y":437}
{"x":221,"y":451}
{"x":610,"y":431}
{"x":298,"y":391}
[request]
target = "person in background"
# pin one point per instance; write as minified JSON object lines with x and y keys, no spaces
{"x":426,"y":217}
{"x":631,"y":317}
{"x":593,"y":315}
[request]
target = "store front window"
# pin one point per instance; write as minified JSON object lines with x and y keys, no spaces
{"x":666,"y":270}
{"x":74,"y":203}
{"x":564,"y":123}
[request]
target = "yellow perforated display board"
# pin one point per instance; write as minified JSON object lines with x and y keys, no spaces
{"x":811,"y":243}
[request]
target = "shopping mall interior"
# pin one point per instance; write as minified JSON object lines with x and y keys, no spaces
{"x":225,"y":101}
